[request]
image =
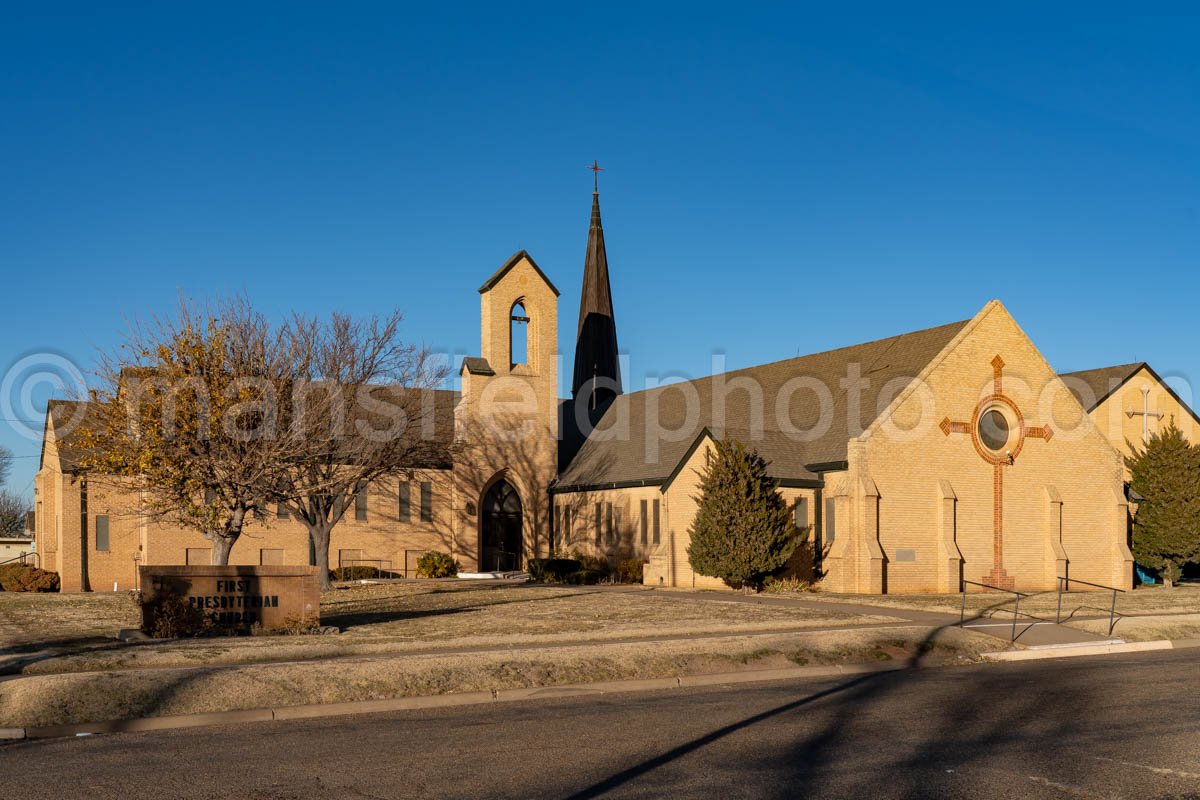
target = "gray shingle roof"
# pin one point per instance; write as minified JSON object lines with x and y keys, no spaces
{"x":477,"y":366}
{"x":1092,"y":386}
{"x":69,"y":417}
{"x":643,"y":454}
{"x":509,"y":264}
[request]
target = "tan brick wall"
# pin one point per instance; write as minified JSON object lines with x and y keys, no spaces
{"x":521,"y":399}
{"x":625,"y":538}
{"x":1123,"y":430}
{"x":912,"y":477}
{"x":508,"y":422}
{"x":667,"y":562}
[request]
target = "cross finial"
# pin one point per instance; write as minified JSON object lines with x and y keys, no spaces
{"x":596,"y":170}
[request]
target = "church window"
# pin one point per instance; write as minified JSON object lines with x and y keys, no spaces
{"x":801,"y":513}
{"x":360,"y":502}
{"x":426,"y":502}
{"x":993,"y":429}
{"x":102,"y":532}
{"x":609,"y":523}
{"x":656,"y":534}
{"x":519,"y":335}
{"x":599,"y":529}
{"x":829,"y":521}
{"x":563,"y":537}
{"x":645,"y":524}
{"x":405,"y":510}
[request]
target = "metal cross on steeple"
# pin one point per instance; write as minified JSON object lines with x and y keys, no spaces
{"x":1145,"y":414}
{"x":596,"y":170}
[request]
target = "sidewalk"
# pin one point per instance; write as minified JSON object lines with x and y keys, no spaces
{"x":1030,"y":631}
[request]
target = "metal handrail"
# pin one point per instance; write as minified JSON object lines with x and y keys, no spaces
{"x":962,"y":617}
{"x":37,"y":558}
{"x":1064,"y":585}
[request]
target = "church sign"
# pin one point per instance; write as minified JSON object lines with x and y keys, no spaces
{"x":237,"y":598}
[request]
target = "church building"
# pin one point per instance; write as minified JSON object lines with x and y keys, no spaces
{"x":910,"y":464}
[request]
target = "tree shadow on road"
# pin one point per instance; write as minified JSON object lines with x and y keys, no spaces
{"x":822,"y":742}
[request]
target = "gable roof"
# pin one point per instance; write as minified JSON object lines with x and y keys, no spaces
{"x":1105,"y":381}
{"x":512,"y":262}
{"x":1100,"y":382}
{"x":641,"y":455}
{"x":67,"y":418}
{"x":476,"y":366}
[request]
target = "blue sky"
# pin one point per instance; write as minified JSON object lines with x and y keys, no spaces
{"x":783,"y":180}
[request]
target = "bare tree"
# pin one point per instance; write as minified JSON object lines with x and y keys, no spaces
{"x":6,"y":459}
{"x":187,"y":411}
{"x":360,"y":404}
{"x":13,"y":509}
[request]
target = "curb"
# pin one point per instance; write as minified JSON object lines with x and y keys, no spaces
{"x":1098,"y":649}
{"x":320,"y":710}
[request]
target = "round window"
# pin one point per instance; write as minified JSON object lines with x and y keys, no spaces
{"x":993,"y":429}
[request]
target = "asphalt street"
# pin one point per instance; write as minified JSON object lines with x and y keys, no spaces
{"x":1103,"y":727}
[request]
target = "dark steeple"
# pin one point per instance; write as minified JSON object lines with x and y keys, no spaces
{"x":596,"y":341}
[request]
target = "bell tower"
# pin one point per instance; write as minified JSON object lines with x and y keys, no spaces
{"x":506,"y":420}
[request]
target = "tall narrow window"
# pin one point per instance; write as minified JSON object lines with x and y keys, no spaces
{"x":519,"y":335}
{"x":102,"y":532}
{"x":801,"y":513}
{"x":566,"y":534}
{"x":657,"y":538}
{"x":645,"y":523}
{"x":281,"y":511}
{"x":555,"y":528}
{"x":426,"y":502}
{"x":830,"y":527}
{"x":405,"y":507}
{"x":608,"y":509}
{"x":599,"y":529}
{"x":360,"y":502}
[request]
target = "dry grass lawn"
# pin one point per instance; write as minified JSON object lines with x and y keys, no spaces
{"x":1147,"y":628}
{"x":94,"y":697}
{"x":41,"y":634}
{"x":1184,"y":599}
{"x":419,"y":638}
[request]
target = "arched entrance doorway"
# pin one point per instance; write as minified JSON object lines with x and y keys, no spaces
{"x":500,"y":533}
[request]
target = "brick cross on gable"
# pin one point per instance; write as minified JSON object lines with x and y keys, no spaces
{"x":998,"y":431}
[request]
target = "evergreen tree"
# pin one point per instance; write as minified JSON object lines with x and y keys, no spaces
{"x":742,"y":530}
{"x":1166,"y":528}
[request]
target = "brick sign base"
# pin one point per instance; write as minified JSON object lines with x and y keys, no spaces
{"x":239,"y":597}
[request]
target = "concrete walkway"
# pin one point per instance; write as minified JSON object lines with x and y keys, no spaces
{"x":1030,"y":631}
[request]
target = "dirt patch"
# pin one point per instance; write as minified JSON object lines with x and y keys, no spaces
{"x":93,"y":697}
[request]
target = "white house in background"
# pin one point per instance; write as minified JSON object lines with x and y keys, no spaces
{"x":14,"y":547}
